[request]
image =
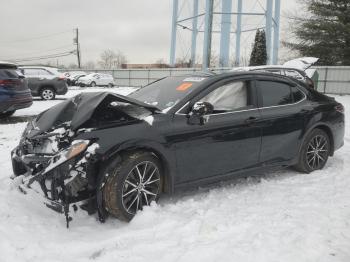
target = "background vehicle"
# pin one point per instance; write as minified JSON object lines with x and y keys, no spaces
{"x":14,"y":92}
{"x":297,"y":68}
{"x":71,"y":76}
{"x":45,"y":82}
{"x":96,"y":79}
{"x":178,"y":132}
{"x":76,"y":79}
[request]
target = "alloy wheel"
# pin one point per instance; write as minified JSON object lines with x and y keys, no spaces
{"x":317,"y":152}
{"x":141,"y":186}
{"x":47,"y":94}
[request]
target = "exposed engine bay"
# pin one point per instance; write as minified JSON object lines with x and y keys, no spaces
{"x":54,"y":153}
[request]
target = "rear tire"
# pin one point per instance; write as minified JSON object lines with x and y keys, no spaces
{"x":314,"y":152}
{"x":134,"y":182}
{"x":110,"y":85}
{"x":7,"y":114}
{"x":47,"y":93}
{"x":93,"y":84}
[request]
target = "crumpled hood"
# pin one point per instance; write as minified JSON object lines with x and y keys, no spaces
{"x":78,"y":110}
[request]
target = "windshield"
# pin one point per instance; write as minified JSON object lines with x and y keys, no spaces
{"x":167,"y":92}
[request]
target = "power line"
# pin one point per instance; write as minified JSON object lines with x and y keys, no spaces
{"x":42,"y":51}
{"x":67,"y":53}
{"x":35,"y":38}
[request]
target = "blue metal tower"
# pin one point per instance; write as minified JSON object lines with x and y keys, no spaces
{"x":271,"y":13}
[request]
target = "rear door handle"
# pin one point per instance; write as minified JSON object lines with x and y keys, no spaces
{"x":251,"y":120}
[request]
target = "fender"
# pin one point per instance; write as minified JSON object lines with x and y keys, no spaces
{"x":166,"y":156}
{"x":309,"y":129}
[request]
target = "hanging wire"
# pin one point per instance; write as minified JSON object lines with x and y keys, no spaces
{"x":35,"y":38}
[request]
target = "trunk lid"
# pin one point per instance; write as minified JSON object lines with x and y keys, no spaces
{"x":301,"y":63}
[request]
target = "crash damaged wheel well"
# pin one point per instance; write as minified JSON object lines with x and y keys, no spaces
{"x":123,"y":154}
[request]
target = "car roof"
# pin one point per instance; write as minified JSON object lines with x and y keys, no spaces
{"x":252,"y":73}
{"x":8,"y":64}
{"x":252,"y":68}
{"x":40,"y":67}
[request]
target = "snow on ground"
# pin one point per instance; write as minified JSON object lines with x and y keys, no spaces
{"x":281,"y":216}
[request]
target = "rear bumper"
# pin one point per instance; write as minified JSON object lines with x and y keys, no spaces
{"x":62,"y":89}
{"x":11,"y":101}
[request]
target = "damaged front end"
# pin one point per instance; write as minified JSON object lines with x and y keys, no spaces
{"x":54,"y":159}
{"x":59,"y":166}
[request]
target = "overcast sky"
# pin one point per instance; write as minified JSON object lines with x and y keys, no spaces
{"x":139,"y":28}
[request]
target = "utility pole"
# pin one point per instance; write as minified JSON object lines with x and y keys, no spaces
{"x":76,"y":42}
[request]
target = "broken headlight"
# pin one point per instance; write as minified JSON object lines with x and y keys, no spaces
{"x":75,"y":149}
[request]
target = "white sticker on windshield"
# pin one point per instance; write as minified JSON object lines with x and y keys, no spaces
{"x":194,"y":79}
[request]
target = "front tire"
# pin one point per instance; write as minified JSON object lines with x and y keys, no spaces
{"x":47,"y":93}
{"x":314,"y":152}
{"x":93,"y":84}
{"x":7,"y":114}
{"x":134,"y":182}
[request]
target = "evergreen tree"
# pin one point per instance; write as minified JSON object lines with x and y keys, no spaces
{"x":326,"y":34}
{"x":259,"y":55}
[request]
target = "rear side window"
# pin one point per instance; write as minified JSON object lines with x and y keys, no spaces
{"x":31,"y":72}
{"x":275,"y":93}
{"x":8,"y":73}
{"x":297,"y":94}
{"x":44,"y":72}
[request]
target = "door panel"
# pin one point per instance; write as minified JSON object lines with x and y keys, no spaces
{"x":283,"y":121}
{"x":282,"y":130}
{"x":224,"y":144}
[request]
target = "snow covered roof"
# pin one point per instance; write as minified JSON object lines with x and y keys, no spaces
{"x":7,"y":63}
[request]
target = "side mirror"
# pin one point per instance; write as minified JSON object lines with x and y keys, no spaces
{"x":199,"y":110}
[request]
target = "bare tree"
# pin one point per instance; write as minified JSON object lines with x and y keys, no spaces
{"x":107,"y":57}
{"x":214,"y":60}
{"x":89,"y":65}
{"x":73,"y":66}
{"x":182,"y":62}
{"x":110,"y":59}
{"x":119,"y":59}
{"x":161,"y":63}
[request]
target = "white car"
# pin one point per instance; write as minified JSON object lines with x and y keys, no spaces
{"x":70,"y":76}
{"x":96,"y":79}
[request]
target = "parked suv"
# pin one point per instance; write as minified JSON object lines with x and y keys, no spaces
{"x":14,"y":91}
{"x":45,"y":82}
{"x":96,"y":79}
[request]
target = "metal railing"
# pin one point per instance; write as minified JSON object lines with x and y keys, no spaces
{"x":332,"y":79}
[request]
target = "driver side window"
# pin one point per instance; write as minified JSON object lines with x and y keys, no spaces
{"x":229,"y":97}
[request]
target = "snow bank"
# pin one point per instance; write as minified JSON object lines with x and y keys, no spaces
{"x":282,"y":216}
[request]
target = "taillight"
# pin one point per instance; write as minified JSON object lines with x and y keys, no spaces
{"x":10,"y":82}
{"x":339,"y":108}
{"x":310,"y":83}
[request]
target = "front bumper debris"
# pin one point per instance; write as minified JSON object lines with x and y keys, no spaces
{"x":61,"y":184}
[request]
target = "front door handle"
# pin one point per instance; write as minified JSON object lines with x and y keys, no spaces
{"x":251,"y":120}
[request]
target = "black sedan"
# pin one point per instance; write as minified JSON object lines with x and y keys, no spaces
{"x":116,"y":154}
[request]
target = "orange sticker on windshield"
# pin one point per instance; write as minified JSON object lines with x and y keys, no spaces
{"x":184,"y":86}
